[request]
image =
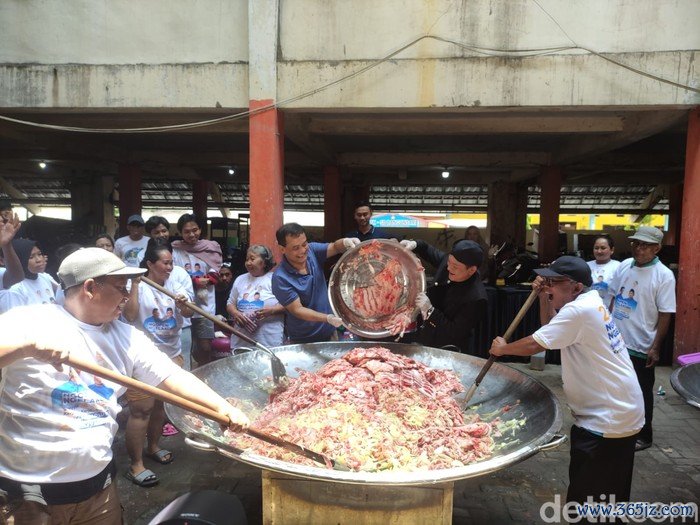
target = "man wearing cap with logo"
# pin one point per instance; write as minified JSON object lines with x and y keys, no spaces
{"x":645,"y":319}
{"x":57,"y":423}
{"x":455,"y":305}
{"x":599,"y":381}
{"x":131,"y":248}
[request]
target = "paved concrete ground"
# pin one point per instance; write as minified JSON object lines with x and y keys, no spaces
{"x":667,"y":472}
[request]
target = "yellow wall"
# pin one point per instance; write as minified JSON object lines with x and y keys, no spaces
{"x":602,"y":221}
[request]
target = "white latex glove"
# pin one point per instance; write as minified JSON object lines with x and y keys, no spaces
{"x":409,"y":244}
{"x":350,"y":242}
{"x":423,"y":304}
{"x":333,"y":320}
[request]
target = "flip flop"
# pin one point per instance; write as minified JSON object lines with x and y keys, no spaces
{"x":163,"y":456}
{"x":169,"y":430}
{"x":146,"y":478}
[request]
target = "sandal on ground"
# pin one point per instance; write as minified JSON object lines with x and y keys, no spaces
{"x":169,"y":430}
{"x":162,"y":456}
{"x":145,"y":478}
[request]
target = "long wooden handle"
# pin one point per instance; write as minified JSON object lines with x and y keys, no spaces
{"x":205,"y":314}
{"x":174,"y":399}
{"x":509,"y":333}
{"x":135,"y":384}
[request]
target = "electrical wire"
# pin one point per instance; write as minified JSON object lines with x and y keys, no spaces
{"x":508,"y":53}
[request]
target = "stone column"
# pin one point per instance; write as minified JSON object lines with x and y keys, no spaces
{"x":266,"y":127}
{"x":550,"y":181}
{"x":687,"y":332}
{"x":129,"y":193}
{"x":332,"y":203}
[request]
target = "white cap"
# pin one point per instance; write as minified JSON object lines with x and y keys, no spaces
{"x":90,"y":263}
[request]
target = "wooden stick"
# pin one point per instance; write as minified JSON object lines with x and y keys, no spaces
{"x":191,"y":406}
{"x":509,"y":333}
{"x":206,"y":315}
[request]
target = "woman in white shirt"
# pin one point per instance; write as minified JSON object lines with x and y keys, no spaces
{"x":252,"y":305}
{"x":160,"y":317}
{"x":37,"y":287}
{"x":603,"y":267}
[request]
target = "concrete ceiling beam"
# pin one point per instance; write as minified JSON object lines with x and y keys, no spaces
{"x":447,"y":159}
{"x":296,"y":129}
{"x":638,"y":126}
{"x":464,"y":125}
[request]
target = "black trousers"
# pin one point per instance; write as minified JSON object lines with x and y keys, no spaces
{"x":600,"y":466}
{"x":646,"y":377}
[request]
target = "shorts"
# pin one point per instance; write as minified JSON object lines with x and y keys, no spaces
{"x":202,"y":328}
{"x":137,"y":395}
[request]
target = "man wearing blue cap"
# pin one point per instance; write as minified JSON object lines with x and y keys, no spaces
{"x":599,"y":381}
{"x":131,"y":248}
{"x":456,"y":303}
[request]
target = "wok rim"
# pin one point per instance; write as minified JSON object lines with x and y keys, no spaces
{"x":389,"y":478}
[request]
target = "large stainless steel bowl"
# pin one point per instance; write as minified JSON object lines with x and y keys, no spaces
{"x":246,"y":377}
{"x":686,"y":381}
{"x":356,"y":268}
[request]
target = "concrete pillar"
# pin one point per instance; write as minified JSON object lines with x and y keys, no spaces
{"x":332,"y":203}
{"x":507,"y":213}
{"x":129,"y":193}
{"x":687,"y":334}
{"x":200,"y":194}
{"x":91,"y":209}
{"x":550,"y":182}
{"x":266,"y":127}
{"x":675,"y":213}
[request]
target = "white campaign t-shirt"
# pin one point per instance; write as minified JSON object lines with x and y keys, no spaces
{"x":250,"y":294}
{"x":602,"y":274}
{"x":182,"y":279}
{"x":600,"y":384}
{"x":2,"y":275}
{"x":36,"y":291}
{"x":196,"y":267}
{"x":130,"y":251}
{"x":58,"y":427}
{"x":641,"y":292}
{"x":159,"y":317}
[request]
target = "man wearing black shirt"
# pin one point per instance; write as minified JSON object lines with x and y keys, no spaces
{"x":456,"y":303}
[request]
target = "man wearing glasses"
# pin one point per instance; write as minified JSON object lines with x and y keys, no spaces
{"x":57,"y":423}
{"x":644,"y":313}
{"x":599,"y":380}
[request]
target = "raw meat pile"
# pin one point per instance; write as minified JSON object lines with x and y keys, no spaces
{"x":374,"y":410}
{"x":379,"y":301}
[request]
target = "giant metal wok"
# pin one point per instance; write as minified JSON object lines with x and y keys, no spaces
{"x":246,"y":377}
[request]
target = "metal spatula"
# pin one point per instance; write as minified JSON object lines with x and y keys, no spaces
{"x":278,"y":370}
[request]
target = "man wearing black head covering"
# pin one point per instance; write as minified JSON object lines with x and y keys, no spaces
{"x":456,"y":303}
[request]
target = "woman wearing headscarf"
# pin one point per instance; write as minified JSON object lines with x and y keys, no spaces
{"x":37,"y":287}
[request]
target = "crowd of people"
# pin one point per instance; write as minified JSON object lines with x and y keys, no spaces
{"x":133,"y":304}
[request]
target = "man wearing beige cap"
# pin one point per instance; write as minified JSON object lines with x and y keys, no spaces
{"x":643,"y":313}
{"x":57,"y":423}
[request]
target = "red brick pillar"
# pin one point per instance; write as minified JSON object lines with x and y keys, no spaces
{"x":550,"y":181}
{"x":129,"y":194}
{"x":266,"y":174}
{"x":332,"y":203}
{"x":687,"y":334}
{"x":675,"y":214}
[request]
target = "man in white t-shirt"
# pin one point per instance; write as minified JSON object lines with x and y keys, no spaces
{"x":644,"y":292}
{"x":57,"y":423}
{"x":132,"y":247}
{"x":599,"y":380}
